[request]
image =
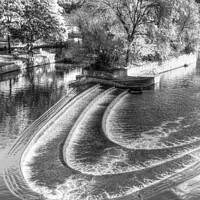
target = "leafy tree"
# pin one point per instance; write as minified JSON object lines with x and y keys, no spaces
{"x":134,"y":19}
{"x":188,"y":24}
{"x":71,"y":5}
{"x":95,"y":24}
{"x":30,"y":20}
{"x":10,"y":11}
{"x":40,"y":21}
{"x":155,"y":27}
{"x":146,"y":30}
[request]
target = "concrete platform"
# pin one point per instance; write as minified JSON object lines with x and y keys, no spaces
{"x":131,"y":83}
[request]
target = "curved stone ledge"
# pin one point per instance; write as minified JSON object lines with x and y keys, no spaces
{"x":108,"y":110}
{"x":36,"y":125}
{"x":92,"y":103}
{"x":55,"y":116}
{"x":30,"y":135}
{"x":12,"y":179}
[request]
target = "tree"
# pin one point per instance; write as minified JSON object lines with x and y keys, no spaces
{"x":10,"y":17}
{"x":71,"y":5}
{"x":134,"y":17}
{"x":188,"y":24}
{"x":30,"y":21}
{"x":155,"y":24}
{"x":145,"y":30}
{"x":95,"y":24}
{"x":40,"y":22}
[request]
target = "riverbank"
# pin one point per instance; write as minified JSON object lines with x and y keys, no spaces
{"x":6,"y":67}
{"x":10,"y":63}
{"x":153,"y":68}
{"x":135,"y":77}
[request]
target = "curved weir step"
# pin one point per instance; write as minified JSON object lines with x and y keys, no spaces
{"x":82,"y":128}
{"x":107,"y":113}
{"x":122,"y":127}
{"x":87,"y":125}
{"x":86,"y":136}
{"x":52,"y":135}
{"x":43,"y":159}
{"x":175,"y":153}
{"x":12,"y":170}
{"x":41,"y":121}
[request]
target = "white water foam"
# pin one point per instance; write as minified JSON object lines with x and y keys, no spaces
{"x":155,"y":138}
{"x":32,"y":152}
{"x":78,"y":187}
{"x":73,"y":189}
{"x":115,"y":161}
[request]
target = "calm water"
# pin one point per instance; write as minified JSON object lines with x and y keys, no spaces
{"x":148,"y":138}
{"x":24,"y":97}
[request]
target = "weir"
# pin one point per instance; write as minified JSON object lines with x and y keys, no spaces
{"x":146,"y":140}
{"x":88,"y":124}
{"x":12,"y":170}
{"x":53,"y":135}
{"x":84,"y":155}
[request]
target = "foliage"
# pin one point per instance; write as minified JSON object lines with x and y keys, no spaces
{"x":145,"y":30}
{"x":95,"y":24}
{"x":40,"y":22}
{"x":30,"y":21}
{"x":119,"y":32}
{"x":71,"y":5}
{"x":9,"y":17}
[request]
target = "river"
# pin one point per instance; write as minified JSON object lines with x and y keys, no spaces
{"x":150,"y":137}
{"x":24,"y":96}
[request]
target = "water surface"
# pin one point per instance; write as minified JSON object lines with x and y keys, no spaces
{"x":149,"y":137}
{"x":24,"y":96}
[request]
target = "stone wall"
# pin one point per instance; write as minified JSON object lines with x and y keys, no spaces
{"x":9,"y":68}
{"x":40,"y":59}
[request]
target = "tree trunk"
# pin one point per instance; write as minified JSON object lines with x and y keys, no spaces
{"x":9,"y":46}
{"x":128,"y":54}
{"x":130,"y":39}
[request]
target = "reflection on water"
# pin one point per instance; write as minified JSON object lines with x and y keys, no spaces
{"x":24,"y":97}
{"x":150,"y":136}
{"x":101,"y":167}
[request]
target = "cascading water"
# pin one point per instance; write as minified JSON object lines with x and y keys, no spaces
{"x":150,"y":144}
